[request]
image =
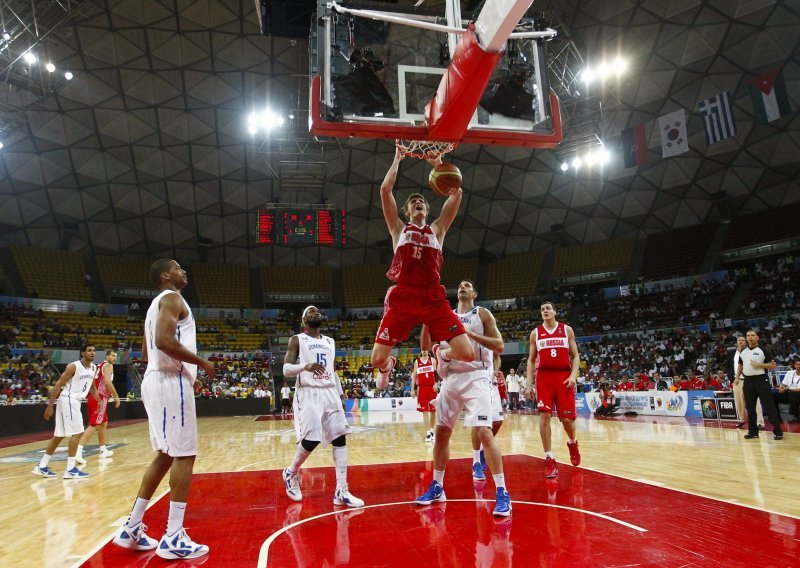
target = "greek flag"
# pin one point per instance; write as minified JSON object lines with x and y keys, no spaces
{"x":717,"y":113}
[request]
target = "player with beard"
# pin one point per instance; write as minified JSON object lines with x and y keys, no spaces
{"x":318,"y":413}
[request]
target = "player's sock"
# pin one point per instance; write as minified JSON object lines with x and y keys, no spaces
{"x":80,"y":452}
{"x":476,"y":456}
{"x":438,"y":476}
{"x":499,"y":480}
{"x":137,"y":512}
{"x":549,"y":455}
{"x":573,"y":440}
{"x":340,"y":464}
{"x":175,"y":519}
{"x":300,"y":456}
{"x":45,"y":460}
{"x":70,"y":463}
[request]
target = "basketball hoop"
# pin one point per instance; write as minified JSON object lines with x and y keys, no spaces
{"x":424,"y":149}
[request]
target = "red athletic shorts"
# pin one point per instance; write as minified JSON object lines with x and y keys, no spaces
{"x":404,"y":308}
{"x":553,"y":393}
{"x":425,"y":395}
{"x":97,"y":411}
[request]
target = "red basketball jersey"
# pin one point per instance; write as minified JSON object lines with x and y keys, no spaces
{"x":417,"y":259}
{"x":99,"y":383}
{"x":553,"y":348}
{"x":425,"y":376}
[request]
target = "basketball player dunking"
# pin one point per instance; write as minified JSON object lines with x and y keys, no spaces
{"x":318,"y":413}
{"x":72,"y":387}
{"x":467,"y":386}
{"x":170,"y":348}
{"x":423,"y":387}
{"x":556,"y":374}
{"x":418,"y":296}
{"x":98,"y":411}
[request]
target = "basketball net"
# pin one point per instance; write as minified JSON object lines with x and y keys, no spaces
{"x":424,"y":149}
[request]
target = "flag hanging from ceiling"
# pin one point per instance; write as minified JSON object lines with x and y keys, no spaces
{"x":634,"y":146}
{"x":717,"y":113}
{"x":674,"y":139}
{"x":770,"y":100}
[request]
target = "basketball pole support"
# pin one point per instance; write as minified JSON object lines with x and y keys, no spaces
{"x":475,"y":58}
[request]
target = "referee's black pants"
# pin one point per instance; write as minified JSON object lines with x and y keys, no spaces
{"x":758,"y":388}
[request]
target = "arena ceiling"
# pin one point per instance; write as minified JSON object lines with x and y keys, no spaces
{"x":146,"y":151}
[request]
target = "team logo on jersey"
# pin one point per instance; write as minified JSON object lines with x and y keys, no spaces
{"x":385,"y":334}
{"x":453,"y":327}
{"x":482,"y":417}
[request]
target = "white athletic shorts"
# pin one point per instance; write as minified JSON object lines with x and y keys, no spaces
{"x":470,"y":391}
{"x":318,"y":414}
{"x":169,"y":401}
{"x":68,"y":417}
{"x":497,"y":404}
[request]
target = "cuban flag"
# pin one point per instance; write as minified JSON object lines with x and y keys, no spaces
{"x":674,"y":139}
{"x":717,"y":113}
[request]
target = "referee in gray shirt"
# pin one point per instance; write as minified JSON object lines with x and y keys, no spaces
{"x":754,"y":362}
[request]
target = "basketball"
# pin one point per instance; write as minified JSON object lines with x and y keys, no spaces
{"x":445,"y":179}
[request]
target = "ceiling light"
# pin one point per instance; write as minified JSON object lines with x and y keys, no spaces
{"x":564,"y":166}
{"x":6,"y":36}
{"x":29,"y":58}
{"x":1,"y":145}
{"x":68,"y":75}
{"x":265,"y":121}
{"x":50,"y":67}
{"x":577,"y":162}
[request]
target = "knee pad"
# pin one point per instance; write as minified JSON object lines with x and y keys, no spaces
{"x":339,"y":442}
{"x":309,"y":445}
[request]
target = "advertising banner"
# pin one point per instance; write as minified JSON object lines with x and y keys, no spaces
{"x":649,"y":403}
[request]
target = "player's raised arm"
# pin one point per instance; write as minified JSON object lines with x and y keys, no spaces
{"x":388,"y":203}
{"x":449,"y":211}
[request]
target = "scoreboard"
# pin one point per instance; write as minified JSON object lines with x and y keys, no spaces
{"x":307,"y":226}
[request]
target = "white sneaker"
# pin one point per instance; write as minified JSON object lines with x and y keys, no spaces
{"x":43,"y":471}
{"x":344,"y":497}
{"x":75,"y":473}
{"x":384,"y":374}
{"x":106,"y":454}
{"x":178,"y":545}
{"x":292,"y":484}
{"x":135,"y":538}
{"x":79,"y":460}
{"x":429,"y":436}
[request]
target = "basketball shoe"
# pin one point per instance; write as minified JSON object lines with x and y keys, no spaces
{"x":106,"y":454}
{"x":179,"y":545}
{"x":477,"y":472}
{"x":43,"y":471}
{"x":344,"y":497}
{"x":79,"y":459}
{"x":292,"y":484}
{"x":75,"y":473}
{"x":384,"y":374}
{"x":574,"y":453}
{"x":429,"y":437}
{"x":550,"y":468}
{"x":135,"y":538}
{"x":435,"y":492}
{"x":442,"y":364}
{"x":503,"y":506}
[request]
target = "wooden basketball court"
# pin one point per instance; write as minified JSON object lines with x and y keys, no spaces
{"x":659,"y":492}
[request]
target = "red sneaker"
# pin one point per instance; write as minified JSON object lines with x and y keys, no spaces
{"x":550,"y":468}
{"x":574,"y":453}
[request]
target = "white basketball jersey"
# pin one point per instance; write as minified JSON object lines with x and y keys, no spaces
{"x":320,"y":350}
{"x":185,"y":333}
{"x":81,"y":382}
{"x":484,"y":358}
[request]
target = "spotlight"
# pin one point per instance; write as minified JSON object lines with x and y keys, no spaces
{"x":265,"y":120}
{"x":577,"y":162}
{"x":1,"y":145}
{"x":6,"y":36}
{"x":587,"y":75}
{"x":564,"y":166}
{"x":602,"y":156}
{"x":50,"y":67}
{"x":291,"y":117}
{"x":620,"y":66}
{"x":29,"y":58}
{"x":68,"y":75}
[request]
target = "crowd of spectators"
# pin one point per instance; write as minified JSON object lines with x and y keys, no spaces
{"x":25,"y":378}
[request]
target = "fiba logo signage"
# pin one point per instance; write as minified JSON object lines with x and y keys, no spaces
{"x":727,"y":408}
